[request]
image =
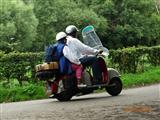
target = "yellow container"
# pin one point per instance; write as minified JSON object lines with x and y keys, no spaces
{"x":46,"y":66}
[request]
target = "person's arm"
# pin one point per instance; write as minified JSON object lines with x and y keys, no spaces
{"x":84,"y":48}
{"x":68,"y":54}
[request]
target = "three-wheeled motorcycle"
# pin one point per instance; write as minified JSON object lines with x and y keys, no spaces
{"x":64,"y":87}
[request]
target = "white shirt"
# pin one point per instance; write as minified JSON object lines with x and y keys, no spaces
{"x":75,"y":50}
{"x":70,"y":56}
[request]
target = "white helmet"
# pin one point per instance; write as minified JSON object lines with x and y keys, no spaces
{"x":71,"y":29}
{"x":60,"y":35}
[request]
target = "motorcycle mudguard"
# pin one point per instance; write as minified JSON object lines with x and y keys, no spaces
{"x":113,"y":73}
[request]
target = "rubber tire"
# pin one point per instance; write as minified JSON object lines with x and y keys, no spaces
{"x":63,"y":96}
{"x":115,"y":90}
{"x":70,"y":89}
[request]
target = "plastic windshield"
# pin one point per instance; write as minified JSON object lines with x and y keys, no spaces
{"x":91,"y":39}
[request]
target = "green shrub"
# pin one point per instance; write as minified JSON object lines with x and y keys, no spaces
{"x":16,"y":65}
{"x":21,"y":66}
{"x":129,"y":59}
{"x":1,"y":53}
{"x":154,"y":55}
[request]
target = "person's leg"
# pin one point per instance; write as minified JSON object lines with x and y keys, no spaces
{"x":78,"y":70}
{"x":93,"y":62}
{"x":104,"y":70}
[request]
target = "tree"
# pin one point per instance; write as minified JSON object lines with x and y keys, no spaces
{"x":142,"y":21}
{"x":131,"y":22}
{"x":18,"y":25}
{"x":55,"y":15}
{"x":30,"y":25}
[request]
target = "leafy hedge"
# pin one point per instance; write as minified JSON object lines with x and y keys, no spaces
{"x":133,"y":59}
{"x":1,"y":53}
{"x":20,"y":66}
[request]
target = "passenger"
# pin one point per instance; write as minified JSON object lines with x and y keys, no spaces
{"x":64,"y":64}
{"x":71,"y":64}
{"x":78,"y":69}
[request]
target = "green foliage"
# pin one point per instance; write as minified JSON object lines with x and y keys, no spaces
{"x":154,"y":56}
{"x":150,"y":76}
{"x":133,"y":59}
{"x":1,"y":53}
{"x":36,"y":91}
{"x":16,"y":65}
{"x":131,"y":22}
{"x":17,"y":25}
{"x":21,"y":66}
{"x":56,"y":15}
{"x":17,"y":93}
{"x":30,"y":25}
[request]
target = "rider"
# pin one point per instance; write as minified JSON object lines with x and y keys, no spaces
{"x":83,"y":54}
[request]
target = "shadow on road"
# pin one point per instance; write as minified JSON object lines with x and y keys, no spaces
{"x":89,"y":98}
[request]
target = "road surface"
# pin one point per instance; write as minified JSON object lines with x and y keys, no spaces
{"x":132,"y":104}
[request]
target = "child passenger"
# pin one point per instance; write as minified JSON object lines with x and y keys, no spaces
{"x":78,"y":69}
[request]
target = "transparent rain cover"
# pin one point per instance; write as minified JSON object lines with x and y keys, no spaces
{"x":91,"y":39}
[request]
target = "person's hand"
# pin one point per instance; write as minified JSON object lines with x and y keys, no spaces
{"x":100,"y":52}
{"x":101,"y":55}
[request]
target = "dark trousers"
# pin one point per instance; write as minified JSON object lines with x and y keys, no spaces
{"x":93,"y":62}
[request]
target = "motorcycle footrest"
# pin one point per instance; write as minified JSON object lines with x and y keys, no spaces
{"x":95,"y":86}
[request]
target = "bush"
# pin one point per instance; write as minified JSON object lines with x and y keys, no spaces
{"x":130,"y":59}
{"x":16,"y":65}
{"x":154,"y":55}
{"x":1,"y":53}
{"x":21,"y":66}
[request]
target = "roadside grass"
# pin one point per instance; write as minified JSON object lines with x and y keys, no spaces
{"x":21,"y":93}
{"x":149,"y":76}
{"x":31,"y":91}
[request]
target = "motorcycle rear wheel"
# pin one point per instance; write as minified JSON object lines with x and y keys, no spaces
{"x":63,"y":96}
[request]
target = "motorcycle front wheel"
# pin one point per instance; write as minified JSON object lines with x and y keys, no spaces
{"x":115,"y":86}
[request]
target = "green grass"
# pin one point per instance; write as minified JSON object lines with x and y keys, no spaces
{"x":30,"y":91}
{"x":150,"y":76}
{"x":18,"y":93}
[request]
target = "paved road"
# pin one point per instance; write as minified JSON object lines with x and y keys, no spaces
{"x":132,"y":104}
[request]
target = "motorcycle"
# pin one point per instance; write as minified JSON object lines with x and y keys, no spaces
{"x":64,"y":87}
